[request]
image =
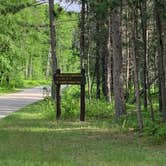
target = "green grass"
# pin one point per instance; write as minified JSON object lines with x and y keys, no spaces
{"x":31,"y":137}
{"x":4,"y":90}
{"x":32,"y":83}
{"x":24,"y":84}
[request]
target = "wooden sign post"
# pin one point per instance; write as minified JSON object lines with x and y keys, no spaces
{"x":72,"y":79}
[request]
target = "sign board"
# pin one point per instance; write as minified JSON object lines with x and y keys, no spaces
{"x":73,"y":79}
{"x":69,"y":78}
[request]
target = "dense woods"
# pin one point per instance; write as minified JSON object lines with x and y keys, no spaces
{"x":120,"y":43}
{"x":125,"y":50}
{"x":25,"y":45}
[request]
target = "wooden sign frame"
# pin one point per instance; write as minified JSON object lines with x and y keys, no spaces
{"x":70,"y":79}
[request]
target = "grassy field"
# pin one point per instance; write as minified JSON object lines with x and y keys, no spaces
{"x":31,"y":137}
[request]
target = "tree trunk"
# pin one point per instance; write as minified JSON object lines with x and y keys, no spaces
{"x":53,"y":44}
{"x":143,"y":10}
{"x":110,"y":59}
{"x":104,"y":65}
{"x":97,"y":67}
{"x":48,"y":64}
{"x":117,"y":63}
{"x":89,"y":81}
{"x":161,"y":64}
{"x":30,"y":67}
{"x":82,"y":35}
{"x":135,"y":64}
{"x":150,"y":103}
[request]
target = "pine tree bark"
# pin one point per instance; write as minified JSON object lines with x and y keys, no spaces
{"x":30,"y":67}
{"x":82,"y":35}
{"x":89,"y":81}
{"x":104,"y":58}
{"x":110,"y":59}
{"x":48,"y":64}
{"x":143,"y":9}
{"x":161,"y":60}
{"x":135,"y":65}
{"x":97,"y":66}
{"x":53,"y":44}
{"x":117,"y":63}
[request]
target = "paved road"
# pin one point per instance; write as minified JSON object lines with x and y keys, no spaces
{"x":15,"y":101}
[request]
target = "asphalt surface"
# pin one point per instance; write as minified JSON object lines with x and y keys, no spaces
{"x":12,"y":102}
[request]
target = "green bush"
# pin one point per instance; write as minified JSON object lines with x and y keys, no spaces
{"x":100,"y":109}
{"x":30,"y":83}
{"x":94,"y":108}
{"x":160,"y":133}
{"x":70,"y":102}
{"x":47,"y":108}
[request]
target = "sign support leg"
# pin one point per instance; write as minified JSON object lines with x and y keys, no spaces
{"x":82,"y":99}
{"x":58,"y":104}
{"x":82,"y":103}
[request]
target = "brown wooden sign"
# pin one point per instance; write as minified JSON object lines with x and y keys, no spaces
{"x":68,"y":78}
{"x":73,"y":79}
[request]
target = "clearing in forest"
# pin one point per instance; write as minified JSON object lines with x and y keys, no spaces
{"x":31,"y":137}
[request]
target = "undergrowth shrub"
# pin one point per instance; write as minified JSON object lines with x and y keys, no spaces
{"x":47,"y":109}
{"x":30,"y":83}
{"x":94,"y":108}
{"x":70,"y":102}
{"x":100,"y":109}
{"x":159,"y":133}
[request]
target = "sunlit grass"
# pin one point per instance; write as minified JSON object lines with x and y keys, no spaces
{"x":32,"y":137}
{"x":25,"y":84}
{"x":5,"y":90}
{"x":32,"y":83}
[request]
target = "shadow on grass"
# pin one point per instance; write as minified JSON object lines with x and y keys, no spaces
{"x":36,"y":142}
{"x":32,"y":137}
{"x":71,"y":145}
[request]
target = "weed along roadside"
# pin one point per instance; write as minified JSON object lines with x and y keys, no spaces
{"x":70,"y":79}
{"x":31,"y":136}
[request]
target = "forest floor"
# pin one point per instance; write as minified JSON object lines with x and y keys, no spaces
{"x":30,"y":137}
